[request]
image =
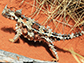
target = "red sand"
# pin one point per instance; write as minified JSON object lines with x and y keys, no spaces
{"x":30,"y":49}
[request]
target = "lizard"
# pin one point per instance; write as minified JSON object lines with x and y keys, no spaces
{"x":33,"y":31}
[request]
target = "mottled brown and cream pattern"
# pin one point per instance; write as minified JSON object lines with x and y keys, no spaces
{"x":33,"y":31}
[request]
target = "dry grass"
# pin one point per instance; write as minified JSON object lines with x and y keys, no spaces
{"x":60,"y":12}
{"x":79,"y":58}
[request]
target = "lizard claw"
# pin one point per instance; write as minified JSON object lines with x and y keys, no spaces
{"x":11,"y":40}
{"x":55,"y":60}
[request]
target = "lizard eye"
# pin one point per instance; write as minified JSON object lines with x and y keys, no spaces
{"x":27,"y":19}
{"x":18,"y":13}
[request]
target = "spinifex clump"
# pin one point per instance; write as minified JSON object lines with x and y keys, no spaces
{"x":62,"y":12}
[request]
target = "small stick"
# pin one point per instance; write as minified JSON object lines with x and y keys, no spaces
{"x":22,"y":2}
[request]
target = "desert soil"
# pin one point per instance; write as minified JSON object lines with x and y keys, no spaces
{"x":29,"y":48}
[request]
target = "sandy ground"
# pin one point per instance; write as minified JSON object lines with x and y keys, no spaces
{"x":30,"y":49}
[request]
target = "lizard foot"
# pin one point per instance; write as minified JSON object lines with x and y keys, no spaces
{"x":11,"y":40}
{"x":55,"y":60}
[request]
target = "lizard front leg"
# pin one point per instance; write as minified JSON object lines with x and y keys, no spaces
{"x":18,"y":34}
{"x":16,"y":37}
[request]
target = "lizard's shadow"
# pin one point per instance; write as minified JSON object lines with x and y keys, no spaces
{"x":10,"y":30}
{"x":32,"y":43}
{"x":44,"y":44}
{"x":37,"y":44}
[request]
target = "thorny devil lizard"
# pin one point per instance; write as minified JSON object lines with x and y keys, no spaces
{"x":34,"y":31}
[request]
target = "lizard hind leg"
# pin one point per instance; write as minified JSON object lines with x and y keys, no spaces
{"x":54,"y":52}
{"x":51,"y":45}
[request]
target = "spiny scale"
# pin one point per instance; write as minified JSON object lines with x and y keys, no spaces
{"x":33,"y":30}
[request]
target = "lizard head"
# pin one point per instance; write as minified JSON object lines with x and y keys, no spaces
{"x":5,"y":11}
{"x":14,"y":15}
